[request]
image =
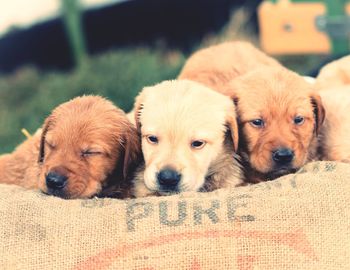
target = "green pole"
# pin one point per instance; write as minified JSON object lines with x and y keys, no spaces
{"x":72,"y":20}
{"x":336,"y":11}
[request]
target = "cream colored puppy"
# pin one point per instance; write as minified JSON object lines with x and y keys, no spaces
{"x":334,"y":137}
{"x":333,"y":83}
{"x":336,"y":73}
{"x":189,"y":136}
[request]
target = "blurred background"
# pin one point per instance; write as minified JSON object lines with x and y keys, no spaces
{"x":54,"y":50}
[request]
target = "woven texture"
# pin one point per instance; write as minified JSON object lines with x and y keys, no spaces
{"x":300,"y":221}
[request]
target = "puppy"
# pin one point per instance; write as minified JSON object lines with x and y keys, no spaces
{"x":336,"y":73}
{"x":280,"y":116}
{"x":21,"y":167}
{"x":334,"y":142}
{"x":87,"y":147}
{"x":217,"y":65}
{"x":189,"y":136}
{"x":333,"y":83}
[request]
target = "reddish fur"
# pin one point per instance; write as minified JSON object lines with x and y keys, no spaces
{"x":21,"y":167}
{"x":83,"y":123}
{"x":217,"y":65}
{"x":276,"y":95}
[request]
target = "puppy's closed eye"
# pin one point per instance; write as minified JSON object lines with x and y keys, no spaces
{"x":91,"y":152}
{"x":50,"y":144}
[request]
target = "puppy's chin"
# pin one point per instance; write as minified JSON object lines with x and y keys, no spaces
{"x":155,"y":190}
{"x":59,"y":193}
{"x":159,"y":191}
{"x":182,"y":188}
{"x":276,"y":173}
{"x":166,"y":193}
{"x":258,"y":172}
{"x":93,"y":189}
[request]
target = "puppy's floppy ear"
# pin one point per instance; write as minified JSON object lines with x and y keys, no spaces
{"x":132,"y":149}
{"x":319,"y":112}
{"x":45,"y":129}
{"x":231,"y":122}
{"x":138,"y":106}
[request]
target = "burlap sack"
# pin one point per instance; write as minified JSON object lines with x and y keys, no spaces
{"x":300,"y":221}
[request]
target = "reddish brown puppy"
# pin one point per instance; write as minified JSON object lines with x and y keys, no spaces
{"x":87,"y":148}
{"x":217,"y":65}
{"x":280,"y":116}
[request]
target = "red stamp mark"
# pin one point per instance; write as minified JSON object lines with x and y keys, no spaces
{"x":296,"y":241}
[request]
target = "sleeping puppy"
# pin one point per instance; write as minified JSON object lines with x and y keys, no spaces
{"x":87,"y":147}
{"x":217,"y":65}
{"x":189,"y":136}
{"x":280,"y":116}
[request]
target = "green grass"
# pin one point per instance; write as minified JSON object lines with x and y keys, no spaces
{"x":28,"y":96}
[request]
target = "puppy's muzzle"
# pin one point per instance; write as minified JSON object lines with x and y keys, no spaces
{"x":55,"y":181}
{"x":168,"y":180}
{"x":283,"y":156}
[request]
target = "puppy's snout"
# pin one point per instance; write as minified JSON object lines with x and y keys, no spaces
{"x":283,"y":156}
{"x":168,"y":179}
{"x":56,"y":181}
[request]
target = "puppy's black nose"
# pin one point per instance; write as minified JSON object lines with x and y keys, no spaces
{"x":168,"y":179}
{"x":56,"y":181}
{"x":283,"y":156}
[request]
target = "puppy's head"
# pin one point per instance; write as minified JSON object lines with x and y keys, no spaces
{"x":334,"y":74}
{"x":279,"y":116}
{"x":183,"y":126}
{"x":87,"y":143}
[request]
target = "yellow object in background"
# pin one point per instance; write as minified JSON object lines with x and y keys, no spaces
{"x":299,"y":27}
{"x":26,"y":133}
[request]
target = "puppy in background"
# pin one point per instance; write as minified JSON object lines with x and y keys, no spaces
{"x":333,"y":83}
{"x":217,"y":65}
{"x":336,"y":73}
{"x":87,"y":147}
{"x":21,"y":167}
{"x":189,"y":136}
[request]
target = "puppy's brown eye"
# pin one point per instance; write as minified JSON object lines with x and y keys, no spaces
{"x":259,"y":123}
{"x":299,"y":120}
{"x":88,"y":153}
{"x":197,"y":144}
{"x":152,"y":139}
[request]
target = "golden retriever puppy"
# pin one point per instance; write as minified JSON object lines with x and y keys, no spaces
{"x":334,"y":142}
{"x":334,"y":74}
{"x":189,"y":133}
{"x":215,"y":66}
{"x":21,"y":167}
{"x":333,"y":82}
{"x":280,"y":116}
{"x":87,"y":147}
